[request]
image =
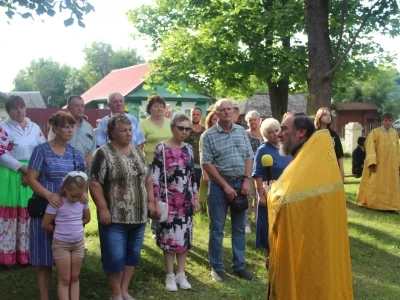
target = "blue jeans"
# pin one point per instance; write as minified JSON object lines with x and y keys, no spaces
{"x":217,"y":206}
{"x":120,"y":245}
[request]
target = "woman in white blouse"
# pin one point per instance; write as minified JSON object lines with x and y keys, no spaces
{"x":18,"y":137}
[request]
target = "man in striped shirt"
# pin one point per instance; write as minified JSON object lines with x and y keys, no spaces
{"x":227,"y":158}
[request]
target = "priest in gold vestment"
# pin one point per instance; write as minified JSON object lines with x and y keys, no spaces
{"x":310,"y":255}
{"x":379,"y":186}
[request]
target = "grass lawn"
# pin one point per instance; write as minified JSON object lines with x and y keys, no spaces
{"x":375,"y":254}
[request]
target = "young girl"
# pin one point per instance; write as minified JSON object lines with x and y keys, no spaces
{"x":68,"y":246}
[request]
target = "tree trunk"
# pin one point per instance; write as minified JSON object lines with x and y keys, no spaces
{"x":278,"y":95}
{"x":319,"y":55}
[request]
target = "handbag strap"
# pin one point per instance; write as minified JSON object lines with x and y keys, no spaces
{"x":165,"y":175}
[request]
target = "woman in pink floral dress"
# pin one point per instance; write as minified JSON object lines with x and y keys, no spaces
{"x":174,"y":237}
{"x":18,"y":137}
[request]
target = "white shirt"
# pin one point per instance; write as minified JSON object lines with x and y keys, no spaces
{"x":17,"y":143}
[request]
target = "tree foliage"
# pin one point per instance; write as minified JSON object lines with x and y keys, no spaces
{"x":75,"y":83}
{"x":224,"y":48}
{"x":231,"y":47}
{"x":381,"y":88}
{"x":101,"y":59}
{"x":340,"y":31}
{"x":56,"y":82}
{"x":46,"y":76}
{"x":26,"y":8}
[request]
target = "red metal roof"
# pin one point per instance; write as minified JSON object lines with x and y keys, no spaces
{"x":123,"y":81}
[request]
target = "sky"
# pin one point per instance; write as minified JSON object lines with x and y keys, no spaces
{"x":23,"y":40}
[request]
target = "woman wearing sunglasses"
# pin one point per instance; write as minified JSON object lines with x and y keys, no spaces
{"x":174,"y":183}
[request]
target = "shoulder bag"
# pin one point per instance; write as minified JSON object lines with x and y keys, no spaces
{"x":164,"y":205}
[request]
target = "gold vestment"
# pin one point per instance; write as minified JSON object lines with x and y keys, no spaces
{"x":380,"y":189}
{"x":310,"y":255}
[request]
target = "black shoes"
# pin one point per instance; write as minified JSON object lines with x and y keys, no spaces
{"x":244,"y":274}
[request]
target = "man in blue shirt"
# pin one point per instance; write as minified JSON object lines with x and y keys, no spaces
{"x":116,"y":103}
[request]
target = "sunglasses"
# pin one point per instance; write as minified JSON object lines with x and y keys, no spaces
{"x":182,"y":128}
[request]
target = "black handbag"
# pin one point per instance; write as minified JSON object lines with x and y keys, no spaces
{"x":239,"y":203}
{"x":37,"y":206}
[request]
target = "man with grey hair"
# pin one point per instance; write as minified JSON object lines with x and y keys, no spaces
{"x":227,"y":158}
{"x":116,"y":103}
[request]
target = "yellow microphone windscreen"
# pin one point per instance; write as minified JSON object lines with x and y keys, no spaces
{"x":267,"y":160}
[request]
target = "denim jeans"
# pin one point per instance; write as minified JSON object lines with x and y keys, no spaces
{"x":120,"y":245}
{"x":218,"y":205}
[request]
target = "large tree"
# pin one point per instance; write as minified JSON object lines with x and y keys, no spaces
{"x":231,"y":47}
{"x":46,"y":76}
{"x":337,"y":31}
{"x":26,"y":8}
{"x":225,"y":48}
{"x":101,"y":59}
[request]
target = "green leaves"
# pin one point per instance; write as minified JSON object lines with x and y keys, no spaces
{"x":9,"y":13}
{"x":101,"y":59}
{"x":68,"y":22}
{"x":78,"y":9}
{"x":46,"y":76}
{"x":227,"y":48}
{"x":26,"y":15}
{"x":232,"y":48}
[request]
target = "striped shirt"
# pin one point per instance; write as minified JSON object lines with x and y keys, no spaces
{"x":102,"y":138}
{"x":227,"y":151}
{"x":52,"y":167}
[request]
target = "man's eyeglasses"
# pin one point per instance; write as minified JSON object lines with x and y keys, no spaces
{"x":182,"y":128}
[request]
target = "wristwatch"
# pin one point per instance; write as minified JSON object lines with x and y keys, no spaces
{"x":248,"y":177}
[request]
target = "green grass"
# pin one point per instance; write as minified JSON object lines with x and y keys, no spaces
{"x":375,"y":254}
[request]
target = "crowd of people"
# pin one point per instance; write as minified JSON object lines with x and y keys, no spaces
{"x":135,"y":171}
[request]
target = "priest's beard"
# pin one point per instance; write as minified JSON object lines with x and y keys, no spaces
{"x":285,"y":149}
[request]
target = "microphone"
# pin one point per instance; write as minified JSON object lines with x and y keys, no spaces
{"x":267,"y":161}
